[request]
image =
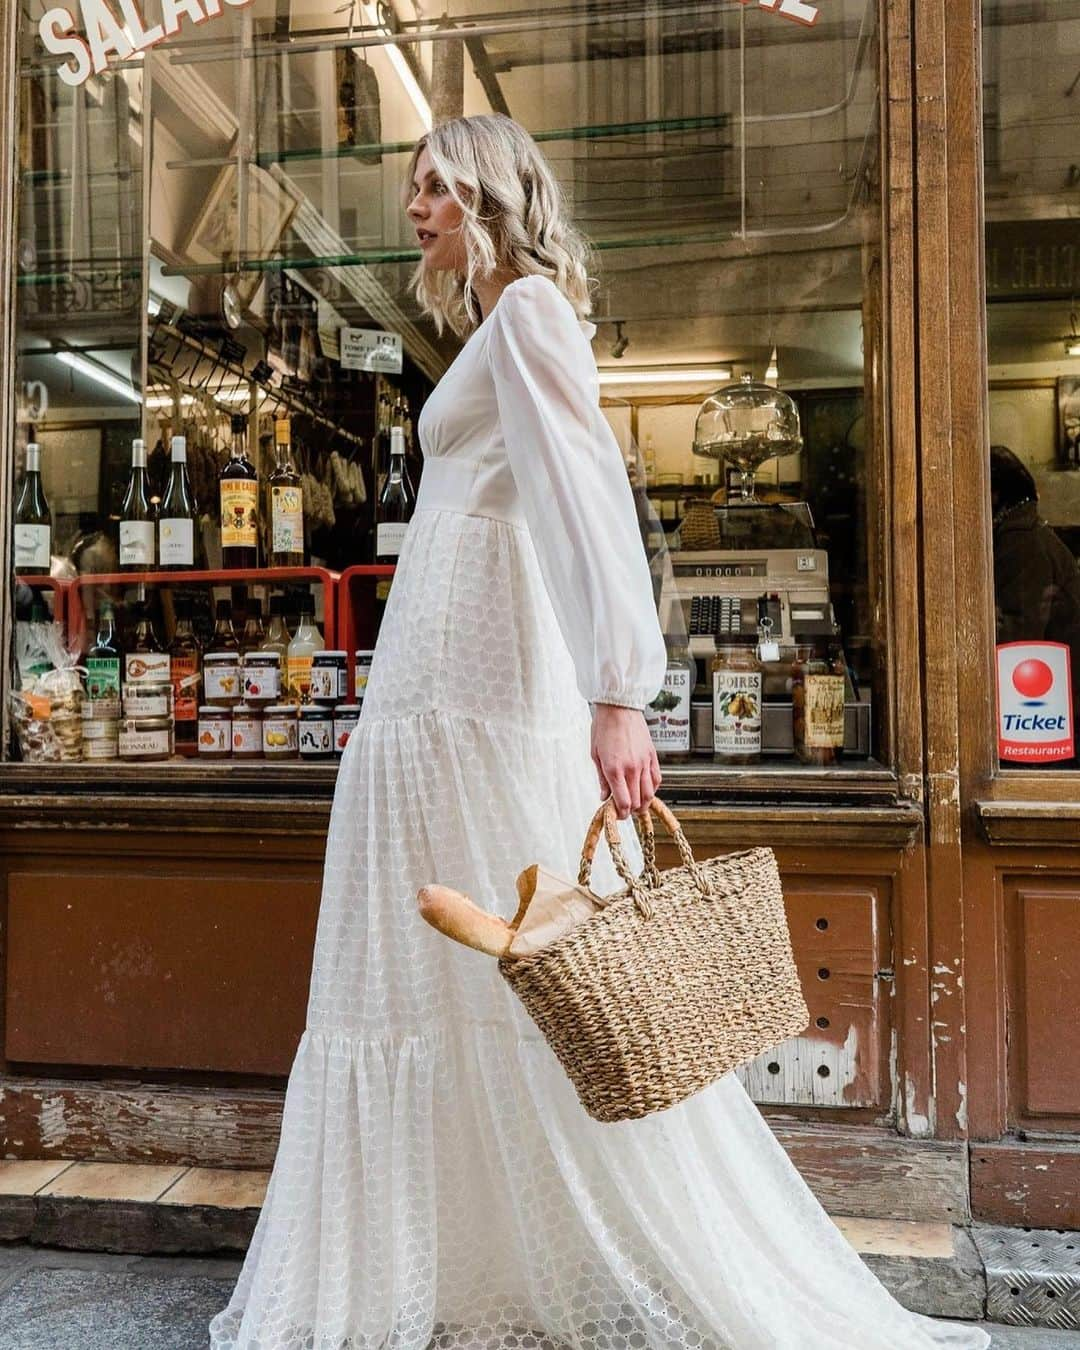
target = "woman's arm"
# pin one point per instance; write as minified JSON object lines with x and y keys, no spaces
{"x":579,"y":506}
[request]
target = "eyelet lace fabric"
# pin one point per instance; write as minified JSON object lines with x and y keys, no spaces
{"x":437,"y":1183}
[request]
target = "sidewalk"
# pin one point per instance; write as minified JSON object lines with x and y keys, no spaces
{"x":54,"y":1300}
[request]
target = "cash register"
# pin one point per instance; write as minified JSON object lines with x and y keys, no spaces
{"x":766,"y":575}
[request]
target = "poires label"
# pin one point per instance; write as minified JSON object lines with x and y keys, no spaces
{"x":1035,"y":714}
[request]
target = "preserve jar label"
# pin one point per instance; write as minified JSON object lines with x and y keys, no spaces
{"x":136,"y":743}
{"x":222,"y":681}
{"x":361,"y":673}
{"x":737,"y":712}
{"x":239,"y":513}
{"x":177,"y":542}
{"x":279,"y":735}
{"x":668,"y":715}
{"x":136,"y":543}
{"x":247,"y":735}
{"x":287,"y":519}
{"x":327,"y":683}
{"x":389,"y":537}
{"x":32,"y":546}
{"x":824,"y":710}
{"x":317,"y":735}
{"x":215,"y":736}
{"x":262,"y":681}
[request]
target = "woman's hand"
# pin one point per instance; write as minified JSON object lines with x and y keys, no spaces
{"x":625,"y":757}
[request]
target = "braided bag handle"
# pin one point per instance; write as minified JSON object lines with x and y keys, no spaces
{"x":605,"y":821}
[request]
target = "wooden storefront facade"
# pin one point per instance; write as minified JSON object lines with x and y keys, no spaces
{"x":155,"y":945}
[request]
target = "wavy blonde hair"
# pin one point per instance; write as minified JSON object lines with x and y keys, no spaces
{"x":513,"y":216}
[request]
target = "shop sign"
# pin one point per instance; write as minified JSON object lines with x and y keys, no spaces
{"x":370,"y":349}
{"x":118,"y":29}
{"x":1035,"y":713}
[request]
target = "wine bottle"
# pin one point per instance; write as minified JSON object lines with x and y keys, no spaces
{"x":184,"y":653}
{"x":176,"y":526}
{"x":254,"y":634}
{"x":239,"y":487}
{"x":137,"y":516}
{"x":33,"y":520}
{"x":103,"y":659}
{"x":145,"y":658}
{"x":277,"y":635}
{"x":396,"y":503}
{"x":286,"y":504}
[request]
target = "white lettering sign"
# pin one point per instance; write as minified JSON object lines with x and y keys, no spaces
{"x":1035,"y":709}
{"x":370,"y":349}
{"x":90,"y":30}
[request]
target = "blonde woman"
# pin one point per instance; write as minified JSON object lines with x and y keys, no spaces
{"x":437,"y":1182}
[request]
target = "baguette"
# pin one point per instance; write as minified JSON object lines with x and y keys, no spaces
{"x":459,"y":918}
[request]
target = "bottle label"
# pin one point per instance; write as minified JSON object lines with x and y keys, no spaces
{"x":185,"y":683}
{"x":737,"y":712}
{"x":136,"y":543}
{"x":389,"y":537}
{"x":102,"y":678}
{"x":239,"y":513}
{"x":32,"y":546}
{"x":287,"y":519}
{"x":153,"y":666}
{"x":177,"y":542}
{"x":825,"y":710}
{"x":668,"y":715}
{"x":299,"y":677}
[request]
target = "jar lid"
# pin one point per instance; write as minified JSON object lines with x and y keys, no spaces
{"x":222,"y":656}
{"x":330,"y":655}
{"x":314,"y":714}
{"x":344,"y":709}
{"x":262,"y":658}
{"x":363,"y":651}
{"x":280,"y":709}
{"x":243,"y":709}
{"x":212,"y":710}
{"x":145,"y":724}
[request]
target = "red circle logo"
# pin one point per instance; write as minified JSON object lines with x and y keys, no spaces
{"x":1032,"y":678}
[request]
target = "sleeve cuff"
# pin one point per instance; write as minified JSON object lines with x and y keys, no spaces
{"x":624,"y":700}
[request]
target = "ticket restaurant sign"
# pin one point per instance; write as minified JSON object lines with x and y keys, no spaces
{"x":87,"y":32}
{"x":1035,"y":712}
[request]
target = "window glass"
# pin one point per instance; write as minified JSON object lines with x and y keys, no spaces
{"x":216,"y":340}
{"x":1031,"y":131}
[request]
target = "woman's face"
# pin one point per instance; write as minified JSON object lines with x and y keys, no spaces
{"x":436,"y":217}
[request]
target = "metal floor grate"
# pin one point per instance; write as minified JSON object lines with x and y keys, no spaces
{"x":1032,"y":1275}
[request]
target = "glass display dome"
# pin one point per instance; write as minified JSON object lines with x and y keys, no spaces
{"x":746,"y":424}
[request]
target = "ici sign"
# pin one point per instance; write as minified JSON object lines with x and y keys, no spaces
{"x":122,"y":31}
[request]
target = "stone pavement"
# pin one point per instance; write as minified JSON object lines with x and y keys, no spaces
{"x":54,"y":1300}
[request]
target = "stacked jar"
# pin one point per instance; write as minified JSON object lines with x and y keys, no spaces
{"x":145,"y":731}
{"x":326,"y":724}
{"x":223,"y":687}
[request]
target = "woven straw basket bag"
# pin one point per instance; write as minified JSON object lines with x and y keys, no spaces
{"x":682,"y":976}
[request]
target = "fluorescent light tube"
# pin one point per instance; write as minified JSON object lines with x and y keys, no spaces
{"x":660,"y":375}
{"x":108,"y":378}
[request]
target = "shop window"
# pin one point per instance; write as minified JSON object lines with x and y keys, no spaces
{"x":1032,"y":186}
{"x":213,"y":322}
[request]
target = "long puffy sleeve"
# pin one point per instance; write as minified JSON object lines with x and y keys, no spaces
{"x":575,"y":494}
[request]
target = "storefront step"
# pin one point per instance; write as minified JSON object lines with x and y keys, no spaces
{"x":139,"y":1209}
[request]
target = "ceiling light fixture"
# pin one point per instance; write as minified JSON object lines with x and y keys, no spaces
{"x":401,"y":66}
{"x":109,"y":379}
{"x":664,"y":374}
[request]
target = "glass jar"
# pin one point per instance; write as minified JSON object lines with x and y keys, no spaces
{"x":221,"y":678}
{"x":262,"y":678}
{"x":346,"y":716}
{"x":818,"y":681}
{"x":737,"y":677}
{"x":316,"y":733}
{"x":215,"y":732}
{"x":144,"y":738}
{"x":148,"y":698}
{"x":279,"y":731}
{"x":329,"y":679}
{"x":361,"y":671}
{"x":668,"y":715}
{"x":247,"y":723}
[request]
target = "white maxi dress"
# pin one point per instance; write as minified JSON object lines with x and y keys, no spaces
{"x":437,"y":1184}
